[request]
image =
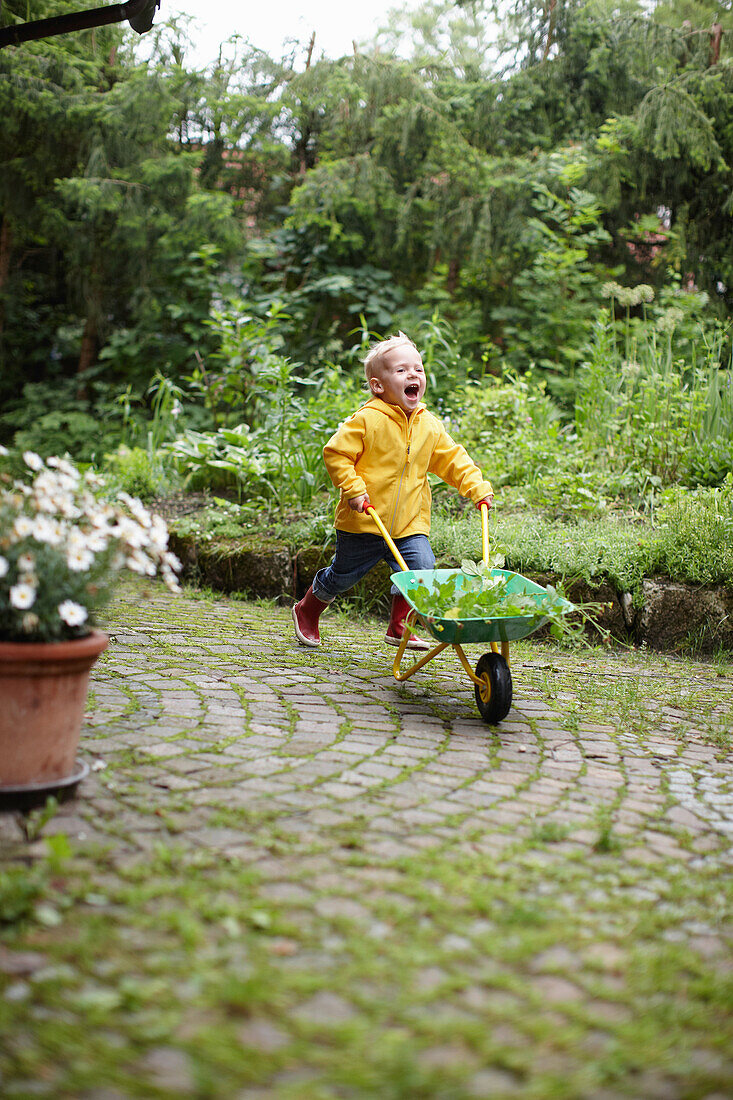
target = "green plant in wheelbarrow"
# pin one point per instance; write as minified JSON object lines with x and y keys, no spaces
{"x":488,"y":593}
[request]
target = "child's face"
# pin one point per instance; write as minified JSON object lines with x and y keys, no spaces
{"x":399,"y":378}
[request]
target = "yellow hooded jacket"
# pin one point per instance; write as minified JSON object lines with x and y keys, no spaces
{"x":378,"y":451}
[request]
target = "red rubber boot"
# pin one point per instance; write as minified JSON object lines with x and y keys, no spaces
{"x":396,"y":628}
{"x":305,"y":616}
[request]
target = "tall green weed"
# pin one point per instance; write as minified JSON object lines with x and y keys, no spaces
{"x":657,"y":405}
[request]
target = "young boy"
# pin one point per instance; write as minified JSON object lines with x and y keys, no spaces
{"x":381,"y":455}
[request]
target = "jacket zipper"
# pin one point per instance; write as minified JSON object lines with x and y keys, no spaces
{"x":399,"y":486}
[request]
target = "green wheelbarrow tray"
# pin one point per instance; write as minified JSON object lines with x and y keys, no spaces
{"x":507,"y":628}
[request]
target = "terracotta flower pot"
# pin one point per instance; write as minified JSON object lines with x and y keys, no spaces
{"x":43,"y":691}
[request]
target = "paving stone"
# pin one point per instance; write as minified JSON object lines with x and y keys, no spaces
{"x":446,"y":1056}
{"x":261,"y":1034}
{"x":611,"y":1013}
{"x":329,"y":1009}
{"x":346,"y":908}
{"x":20,"y":963}
{"x":488,"y":1084}
{"x":285,"y":892}
{"x":170,"y":1069}
{"x":555,"y":959}
{"x":606,"y":955}
{"x":103,"y":1093}
{"x":430,"y":978}
{"x":556,"y":990}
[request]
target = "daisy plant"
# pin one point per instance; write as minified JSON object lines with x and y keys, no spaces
{"x":63,"y":544}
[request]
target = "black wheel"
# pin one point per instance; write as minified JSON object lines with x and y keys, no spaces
{"x":494,"y":693}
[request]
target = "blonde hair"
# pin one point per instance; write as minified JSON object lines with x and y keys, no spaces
{"x":377,"y":351}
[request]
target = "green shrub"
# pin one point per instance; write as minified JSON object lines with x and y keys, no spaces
{"x":78,"y":417}
{"x":221,"y":460}
{"x":511,"y":428}
{"x":694,"y":534}
{"x":135,"y":471}
{"x":279,"y":463}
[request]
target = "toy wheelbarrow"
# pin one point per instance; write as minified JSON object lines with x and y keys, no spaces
{"x":492,"y":678}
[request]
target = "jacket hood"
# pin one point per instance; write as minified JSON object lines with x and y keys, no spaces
{"x":394,"y":412}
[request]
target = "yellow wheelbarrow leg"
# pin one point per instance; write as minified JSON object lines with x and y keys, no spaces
{"x":398,"y":675}
{"x":504,"y":650}
{"x":464,"y":661}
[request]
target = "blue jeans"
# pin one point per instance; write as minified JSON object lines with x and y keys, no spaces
{"x":357,"y":554}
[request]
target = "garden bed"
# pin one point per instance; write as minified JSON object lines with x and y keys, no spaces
{"x":660,"y":612}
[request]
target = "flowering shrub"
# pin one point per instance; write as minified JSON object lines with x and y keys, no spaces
{"x":62,"y":545}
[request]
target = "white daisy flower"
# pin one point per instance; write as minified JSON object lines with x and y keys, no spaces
{"x":26,"y":562}
{"x":158,"y":534}
{"x":77,"y":540}
{"x":170,"y":580}
{"x":47,"y":530}
{"x":171,"y":560}
{"x":22,"y":596}
{"x":3,"y":566}
{"x":23,"y":527}
{"x":130,"y":533}
{"x":72,"y":613}
{"x":46,"y":503}
{"x":47,"y":482}
{"x":141,"y":514}
{"x":64,"y":467}
{"x":140,"y":563}
{"x":96,"y":541}
{"x":68,"y":509}
{"x":101,"y":517}
{"x":79,"y":559}
{"x":33,"y":460}
{"x":4,"y":451}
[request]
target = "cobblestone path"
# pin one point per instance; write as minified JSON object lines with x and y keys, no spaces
{"x":289,"y":877}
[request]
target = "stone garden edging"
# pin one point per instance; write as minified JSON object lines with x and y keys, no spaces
{"x":669,"y":616}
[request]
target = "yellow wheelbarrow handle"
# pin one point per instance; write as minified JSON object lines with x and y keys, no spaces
{"x":395,"y":552}
{"x":485,"y":530}
{"x":387,"y":537}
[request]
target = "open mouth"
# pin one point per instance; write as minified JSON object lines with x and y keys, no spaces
{"x":412,"y":390}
